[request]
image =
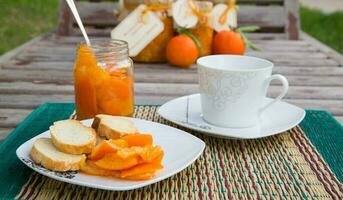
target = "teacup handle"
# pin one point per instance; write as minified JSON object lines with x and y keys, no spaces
{"x":285,"y":87}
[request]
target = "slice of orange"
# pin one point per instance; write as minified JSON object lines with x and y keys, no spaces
{"x":138,"y":139}
{"x":89,"y":167}
{"x":153,"y":153}
{"x":105,"y":147}
{"x":140,"y":169}
{"x":146,"y":154}
{"x":111,"y":161}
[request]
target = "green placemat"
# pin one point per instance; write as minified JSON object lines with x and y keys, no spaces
{"x":13,"y":173}
{"x":326,"y":134}
{"x":283,"y":166}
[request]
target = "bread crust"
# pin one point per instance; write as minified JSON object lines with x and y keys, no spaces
{"x":39,"y":158}
{"x":96,"y":122}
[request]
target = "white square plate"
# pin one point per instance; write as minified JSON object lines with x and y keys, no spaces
{"x":180,"y":150}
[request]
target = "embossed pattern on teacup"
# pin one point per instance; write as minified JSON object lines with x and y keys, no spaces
{"x":222,"y":88}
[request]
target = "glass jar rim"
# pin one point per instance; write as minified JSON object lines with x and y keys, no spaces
{"x":107,"y":44}
{"x":107,"y":50}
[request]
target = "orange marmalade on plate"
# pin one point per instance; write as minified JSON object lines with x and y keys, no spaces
{"x":103,"y":79}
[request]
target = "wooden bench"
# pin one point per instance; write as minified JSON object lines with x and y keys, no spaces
{"x":278,"y":16}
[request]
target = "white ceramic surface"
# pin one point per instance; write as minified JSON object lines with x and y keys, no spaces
{"x":180,"y":150}
{"x":233,"y":88}
{"x":186,"y":111}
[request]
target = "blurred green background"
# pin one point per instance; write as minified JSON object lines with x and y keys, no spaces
{"x":21,"y":20}
{"x":328,"y":28}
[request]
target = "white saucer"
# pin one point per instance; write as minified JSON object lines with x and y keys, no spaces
{"x":186,"y":111}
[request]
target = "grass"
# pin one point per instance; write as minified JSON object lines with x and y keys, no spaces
{"x":21,"y":20}
{"x":327,"y":28}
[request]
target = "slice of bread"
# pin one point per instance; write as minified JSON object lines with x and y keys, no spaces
{"x":113,"y":127}
{"x":45,"y":153}
{"x":71,"y":136}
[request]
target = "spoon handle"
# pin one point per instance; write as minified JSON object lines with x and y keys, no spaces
{"x":73,"y":9}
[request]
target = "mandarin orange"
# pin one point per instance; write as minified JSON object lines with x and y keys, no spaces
{"x":228,"y":42}
{"x":182,"y":51}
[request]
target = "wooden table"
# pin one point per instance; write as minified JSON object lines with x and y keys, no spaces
{"x":41,"y":71}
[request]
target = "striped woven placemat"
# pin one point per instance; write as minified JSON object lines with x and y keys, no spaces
{"x":286,"y":166}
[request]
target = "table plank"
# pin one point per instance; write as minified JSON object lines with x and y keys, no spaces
{"x":26,"y":101}
{"x":165,"y":68}
{"x":340,"y":119}
{"x":34,"y":88}
{"x":323,"y":48}
{"x":32,"y":101}
{"x":60,"y":77}
{"x":307,"y":61}
{"x":62,"y":44}
{"x":301,"y":58}
{"x":71,"y":48}
{"x":272,"y":55}
{"x":295,"y":92}
{"x":264,"y":49}
{"x":11,"y":117}
{"x":4,"y":132}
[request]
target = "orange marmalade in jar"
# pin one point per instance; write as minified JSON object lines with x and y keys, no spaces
{"x":131,"y":4}
{"x":103,"y":79}
{"x":203,"y":31}
{"x":155,"y":51}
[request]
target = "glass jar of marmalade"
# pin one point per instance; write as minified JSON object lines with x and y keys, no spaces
{"x":103,"y":79}
{"x":155,"y":51}
{"x":203,"y":31}
{"x":130,"y":5}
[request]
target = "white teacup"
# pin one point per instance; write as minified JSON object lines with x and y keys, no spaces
{"x":233,"y":89}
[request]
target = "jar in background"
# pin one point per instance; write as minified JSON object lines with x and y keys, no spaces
{"x":155,"y":51}
{"x":103,"y":79}
{"x":203,"y":31}
{"x":132,"y":4}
